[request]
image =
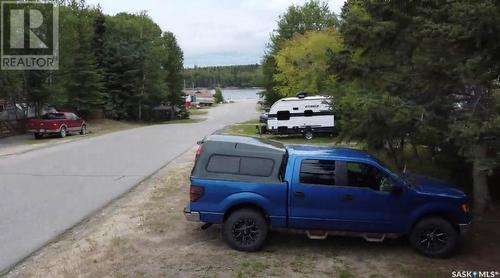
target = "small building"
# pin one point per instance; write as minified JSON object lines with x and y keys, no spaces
{"x":199,"y":96}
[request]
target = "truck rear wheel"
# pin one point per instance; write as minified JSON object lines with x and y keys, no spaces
{"x":434,"y":237}
{"x":63,"y":132}
{"x":38,"y":135}
{"x":245,"y":230}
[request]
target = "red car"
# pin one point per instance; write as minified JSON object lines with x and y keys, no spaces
{"x":60,"y":123}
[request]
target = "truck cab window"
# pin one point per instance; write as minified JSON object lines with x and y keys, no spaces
{"x":364,"y":175}
{"x":313,"y":171}
{"x":283,"y":115}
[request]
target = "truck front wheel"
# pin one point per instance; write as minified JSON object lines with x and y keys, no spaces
{"x":245,"y":230}
{"x":434,"y":237}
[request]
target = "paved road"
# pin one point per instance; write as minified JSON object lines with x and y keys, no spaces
{"x":44,"y":192}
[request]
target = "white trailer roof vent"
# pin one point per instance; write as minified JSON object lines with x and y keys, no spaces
{"x":301,"y":95}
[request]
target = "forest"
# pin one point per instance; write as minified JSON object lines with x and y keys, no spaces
{"x":417,"y":81}
{"x":224,"y":76}
{"x":120,"y":65}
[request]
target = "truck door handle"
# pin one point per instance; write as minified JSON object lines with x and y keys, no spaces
{"x":347,"y":197}
{"x":299,"y":194}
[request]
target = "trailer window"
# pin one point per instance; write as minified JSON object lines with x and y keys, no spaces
{"x":283,"y":115}
{"x":314,"y":171}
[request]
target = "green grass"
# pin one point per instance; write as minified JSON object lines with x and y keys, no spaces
{"x":245,"y":128}
{"x":249,"y":129}
{"x":250,"y":268}
{"x":198,"y":112}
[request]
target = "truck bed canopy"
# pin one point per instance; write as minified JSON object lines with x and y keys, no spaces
{"x":240,"y":146}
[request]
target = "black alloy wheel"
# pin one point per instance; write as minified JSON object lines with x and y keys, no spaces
{"x":434,"y":237}
{"x":245,"y":230}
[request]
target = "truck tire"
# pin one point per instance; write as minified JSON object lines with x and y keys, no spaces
{"x":83,"y":131}
{"x":434,"y":237}
{"x":245,"y":230}
{"x":38,"y":135}
{"x":63,"y":132}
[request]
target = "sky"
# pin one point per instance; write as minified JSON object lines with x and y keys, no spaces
{"x":214,"y":32}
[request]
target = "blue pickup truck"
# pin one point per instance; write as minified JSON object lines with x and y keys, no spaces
{"x":250,"y":185}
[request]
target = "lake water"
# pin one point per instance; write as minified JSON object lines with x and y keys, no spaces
{"x":241,"y":94}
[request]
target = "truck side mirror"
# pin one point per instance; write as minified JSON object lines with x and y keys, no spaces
{"x":389,"y":186}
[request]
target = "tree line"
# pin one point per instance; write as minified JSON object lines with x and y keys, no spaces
{"x":120,"y":66}
{"x":415,"y":80}
{"x":224,"y":76}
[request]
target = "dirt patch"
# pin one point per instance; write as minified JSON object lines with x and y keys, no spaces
{"x":145,"y":234}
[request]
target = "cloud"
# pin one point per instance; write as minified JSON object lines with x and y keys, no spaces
{"x":214,"y":32}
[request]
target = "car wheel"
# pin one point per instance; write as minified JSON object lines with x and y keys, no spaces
{"x":83,"y":131}
{"x":308,"y":134}
{"x":63,"y":132}
{"x":434,"y":237}
{"x":38,"y":135}
{"x":245,"y":230}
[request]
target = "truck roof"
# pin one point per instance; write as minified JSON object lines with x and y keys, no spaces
{"x":247,"y":143}
{"x":328,"y":151}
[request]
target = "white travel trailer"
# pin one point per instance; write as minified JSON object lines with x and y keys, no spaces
{"x":301,"y":115}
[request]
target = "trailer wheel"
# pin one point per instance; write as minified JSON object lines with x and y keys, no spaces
{"x":308,"y":134}
{"x":263,"y":129}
